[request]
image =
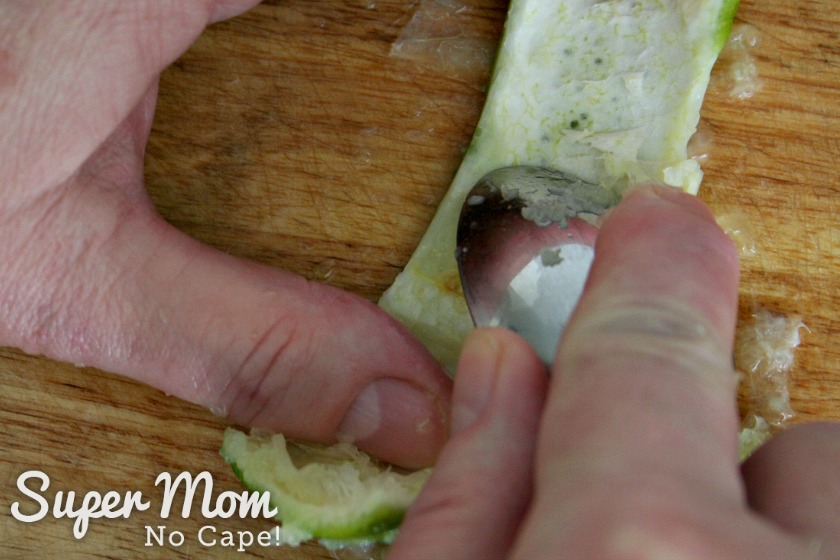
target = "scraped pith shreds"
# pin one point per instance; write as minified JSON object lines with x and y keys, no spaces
{"x":764,"y":356}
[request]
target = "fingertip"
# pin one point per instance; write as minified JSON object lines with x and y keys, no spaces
{"x":672,"y":205}
{"x":476,"y":375}
{"x":491,"y":358}
{"x":402,"y":423}
{"x":802,"y":496}
{"x":398,"y":422}
{"x":474,"y":501}
{"x":225,"y":9}
{"x":661,"y":243}
{"x":675,"y":196}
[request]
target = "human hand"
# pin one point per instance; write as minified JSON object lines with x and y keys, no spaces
{"x":629,"y":449}
{"x":92,"y":275}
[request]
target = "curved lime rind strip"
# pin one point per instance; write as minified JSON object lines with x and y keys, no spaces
{"x":339,"y":496}
{"x":610,"y":91}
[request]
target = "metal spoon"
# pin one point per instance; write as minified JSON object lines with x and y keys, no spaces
{"x":525,"y":242}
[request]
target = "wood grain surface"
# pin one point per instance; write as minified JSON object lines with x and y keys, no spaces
{"x":295,"y":136}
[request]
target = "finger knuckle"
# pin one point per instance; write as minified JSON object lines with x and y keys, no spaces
{"x":666,"y":333}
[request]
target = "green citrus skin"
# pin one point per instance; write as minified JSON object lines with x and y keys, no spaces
{"x":333,"y":493}
{"x":608,"y":91}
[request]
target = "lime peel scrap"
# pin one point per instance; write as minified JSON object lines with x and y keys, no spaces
{"x":335,"y":494}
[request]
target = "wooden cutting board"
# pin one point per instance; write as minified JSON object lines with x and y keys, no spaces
{"x":296,"y":136}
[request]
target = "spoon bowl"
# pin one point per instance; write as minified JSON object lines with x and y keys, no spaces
{"x":525,"y":242}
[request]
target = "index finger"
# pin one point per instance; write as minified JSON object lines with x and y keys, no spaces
{"x":642,"y":408}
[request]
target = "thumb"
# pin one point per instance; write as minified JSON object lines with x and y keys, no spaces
{"x":123,"y":291}
{"x":481,"y":486}
{"x":273,"y":350}
{"x":94,"y":276}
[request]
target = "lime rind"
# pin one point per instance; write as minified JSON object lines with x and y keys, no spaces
{"x":336,"y":494}
{"x":608,"y":91}
{"x":725,"y":22}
